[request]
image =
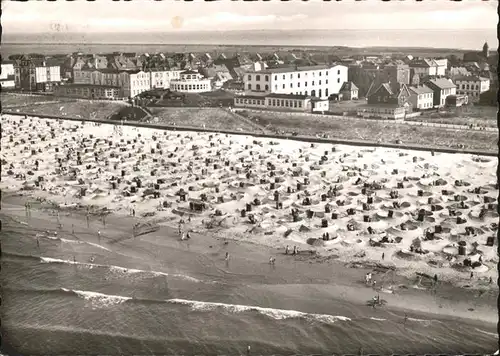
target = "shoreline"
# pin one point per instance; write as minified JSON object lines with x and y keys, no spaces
{"x":344,"y":284}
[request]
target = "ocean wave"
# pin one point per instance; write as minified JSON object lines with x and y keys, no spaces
{"x":377,"y":319}
{"x":123,"y":270}
{"x":98,"y":299}
{"x":106,"y":300}
{"x":278,"y":314}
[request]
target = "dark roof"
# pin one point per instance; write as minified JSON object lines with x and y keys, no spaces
{"x":258,"y":97}
{"x":88,"y":86}
{"x":190,"y":72}
{"x":287,"y":96}
{"x":469,"y":78}
{"x":348,"y":86}
{"x":381,"y":105}
{"x":293,"y":69}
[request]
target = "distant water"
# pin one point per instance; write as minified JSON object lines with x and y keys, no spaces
{"x":49,"y":43}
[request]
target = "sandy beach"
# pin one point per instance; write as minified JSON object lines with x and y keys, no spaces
{"x":343,"y":207}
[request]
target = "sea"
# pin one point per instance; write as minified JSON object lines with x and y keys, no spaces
{"x":62,"y":43}
{"x":73,"y":294}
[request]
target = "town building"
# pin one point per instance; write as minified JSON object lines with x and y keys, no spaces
{"x":349,"y":91}
{"x":480,"y":56}
{"x":316,"y":81}
{"x":282,"y":102}
{"x":130,"y":82}
{"x":396,"y":73}
{"x":88,"y":91}
{"x":191,"y":82}
{"x":7,"y":77}
{"x":442,"y":88}
{"x":421,"y":97}
{"x":34,"y":74}
{"x":472,"y":86}
{"x":391,"y":93}
{"x":423,"y":67}
{"x":162,"y":78}
{"x":384,"y":111}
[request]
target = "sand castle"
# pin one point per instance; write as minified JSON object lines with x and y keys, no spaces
{"x":413,"y":205}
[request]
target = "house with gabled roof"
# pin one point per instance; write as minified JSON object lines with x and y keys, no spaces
{"x":349,"y":91}
{"x":442,"y":88}
{"x":421,"y":97}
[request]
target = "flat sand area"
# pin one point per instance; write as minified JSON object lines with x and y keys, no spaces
{"x":404,"y":216}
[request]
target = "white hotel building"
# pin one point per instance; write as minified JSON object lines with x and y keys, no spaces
{"x":315,"y":81}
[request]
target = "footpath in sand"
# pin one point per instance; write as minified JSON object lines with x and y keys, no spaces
{"x":413,"y":212}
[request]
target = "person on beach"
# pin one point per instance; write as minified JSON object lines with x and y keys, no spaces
{"x":405,"y":319}
{"x":183,"y":237}
{"x":73,"y":229}
{"x":294,"y":252}
{"x":227,"y":256}
{"x":286,"y":250}
{"x":272,"y":260}
{"x":248,"y":347}
{"x":99,"y":235}
{"x":38,"y":244}
{"x":435,"y":279}
{"x":133,"y":212}
{"x":74,"y":259}
{"x":490,"y":281}
{"x":471,"y":275}
{"x":383,"y":256}
{"x":188,"y":235}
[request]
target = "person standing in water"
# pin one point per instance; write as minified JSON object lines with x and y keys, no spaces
{"x":227,"y":256}
{"x":99,"y":235}
{"x":37,"y":243}
{"x":286,"y":250}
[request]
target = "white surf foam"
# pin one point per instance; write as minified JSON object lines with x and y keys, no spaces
{"x":278,"y":314}
{"x":118,"y":269}
{"x":377,"y":319}
{"x":99,"y":299}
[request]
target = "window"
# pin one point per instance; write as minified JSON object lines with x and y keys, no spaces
{"x":320,"y":74}
{"x":338,"y":72}
{"x":338,"y":80}
{"x":320,"y":82}
{"x":275,"y":77}
{"x":313,"y":83}
{"x":300,"y":104}
{"x":298,"y":75}
{"x":283,"y":76}
{"x":291,"y":76}
{"x":277,"y":102}
{"x":275,"y":87}
{"x":267,"y":87}
{"x":249,"y":77}
{"x":267,"y":78}
{"x":291,"y":85}
{"x":283,"y":86}
{"x":274,"y":102}
{"x":326,"y":73}
{"x":467,"y":86}
{"x":326,"y":81}
{"x":258,"y":86}
{"x":249,"y":86}
{"x":326,"y":92}
{"x":257,"y":78}
{"x":286,"y":103}
{"x":298,"y":84}
{"x":305,"y":84}
{"x":295,"y":104}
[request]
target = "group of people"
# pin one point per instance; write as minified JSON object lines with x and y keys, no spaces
{"x":295,"y":250}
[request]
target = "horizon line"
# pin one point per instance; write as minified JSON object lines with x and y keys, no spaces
{"x":244,"y":30}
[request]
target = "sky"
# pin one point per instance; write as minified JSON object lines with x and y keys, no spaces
{"x":177,"y":15}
